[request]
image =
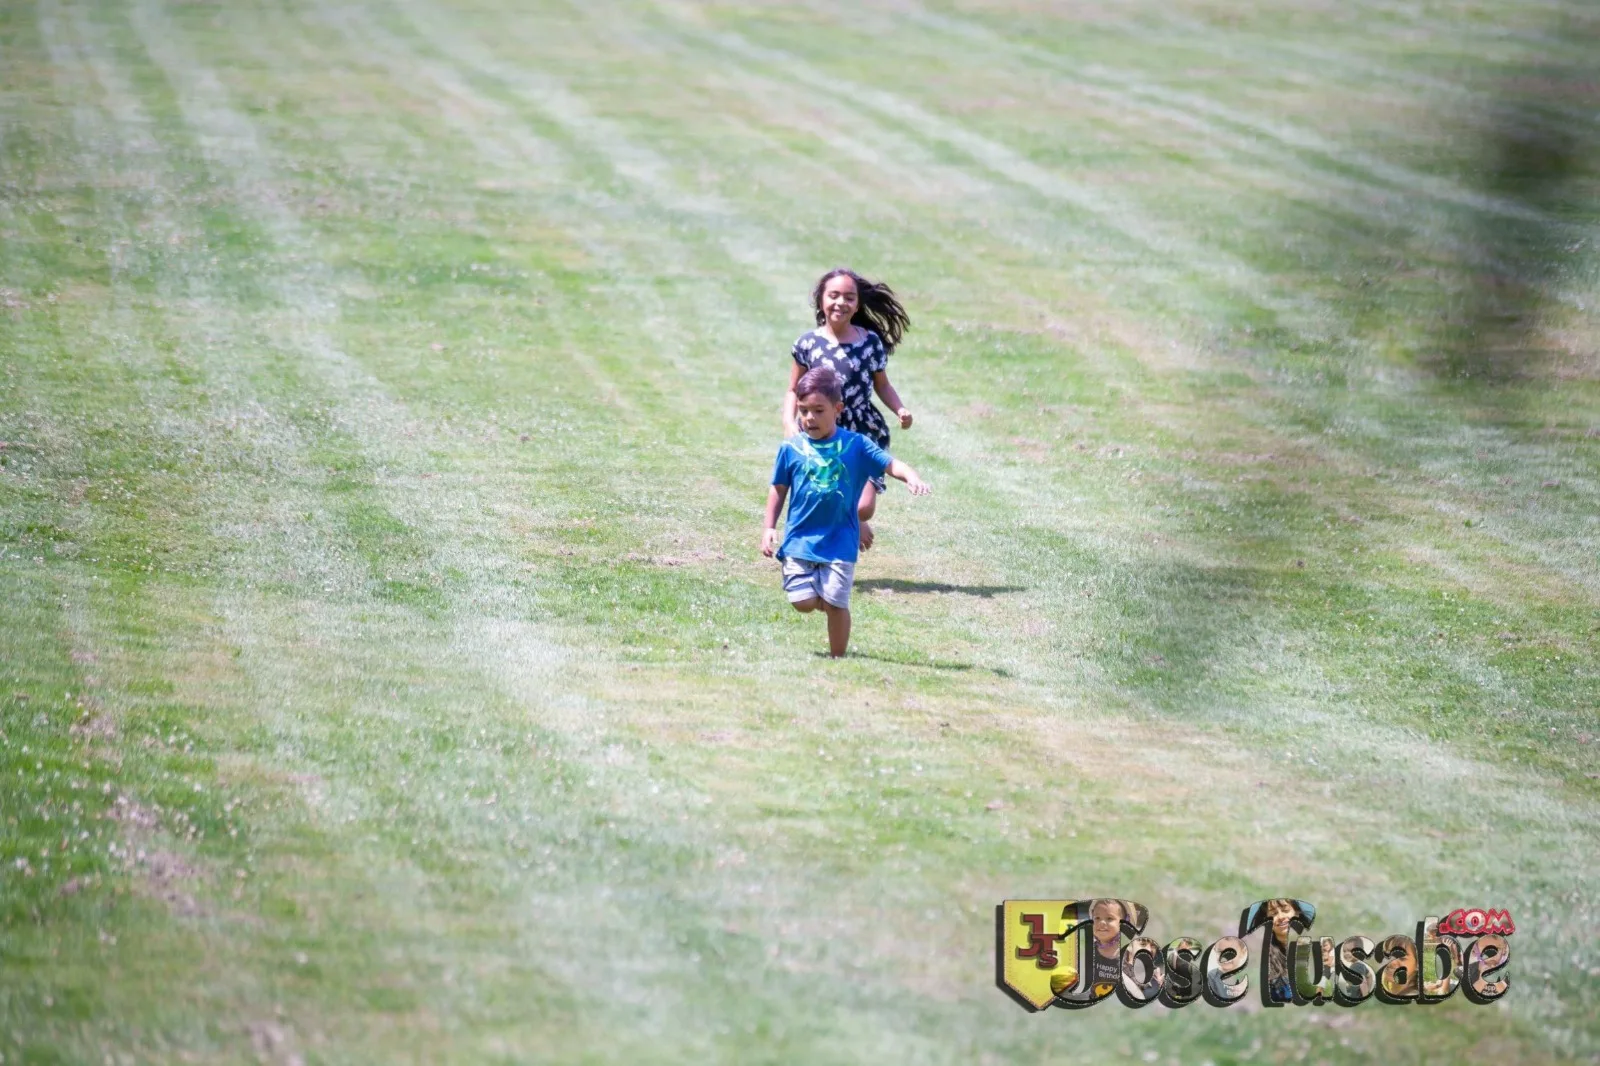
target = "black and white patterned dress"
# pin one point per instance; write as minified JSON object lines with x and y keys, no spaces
{"x":855,"y":364}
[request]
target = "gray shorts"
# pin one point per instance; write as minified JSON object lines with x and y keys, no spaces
{"x":804,"y":580}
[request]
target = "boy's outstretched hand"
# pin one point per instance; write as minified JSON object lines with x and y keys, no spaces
{"x":902,"y":472}
{"x":769,"y":542}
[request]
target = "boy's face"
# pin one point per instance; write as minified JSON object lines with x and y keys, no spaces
{"x":1107,"y":926}
{"x":818,"y":415}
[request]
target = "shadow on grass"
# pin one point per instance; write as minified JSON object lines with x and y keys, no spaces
{"x":1541,"y":168}
{"x":1477,"y":291}
{"x":895,"y":584}
{"x":928,"y":664}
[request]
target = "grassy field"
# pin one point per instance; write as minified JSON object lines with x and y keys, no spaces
{"x":389,"y":396}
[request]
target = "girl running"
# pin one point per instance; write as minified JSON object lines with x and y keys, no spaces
{"x":859,"y":323}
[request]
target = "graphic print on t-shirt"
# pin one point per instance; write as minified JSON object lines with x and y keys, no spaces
{"x":1107,"y":972}
{"x":824,"y":472}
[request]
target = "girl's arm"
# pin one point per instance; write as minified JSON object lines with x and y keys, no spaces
{"x":769,"y":532}
{"x":886,"y":393}
{"x":790,"y":402}
{"x":903,"y":472}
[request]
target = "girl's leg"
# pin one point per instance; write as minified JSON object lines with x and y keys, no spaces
{"x":866,"y":507}
{"x":868,"y":504}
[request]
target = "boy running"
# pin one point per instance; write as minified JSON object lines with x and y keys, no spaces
{"x":825,"y":468}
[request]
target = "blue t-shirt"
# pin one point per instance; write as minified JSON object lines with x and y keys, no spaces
{"x":825,"y":478}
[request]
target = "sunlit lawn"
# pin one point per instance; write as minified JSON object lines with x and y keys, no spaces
{"x":389,"y":395}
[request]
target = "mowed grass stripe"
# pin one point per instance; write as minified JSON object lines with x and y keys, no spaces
{"x":1236,"y":143}
{"x":1242,"y":131}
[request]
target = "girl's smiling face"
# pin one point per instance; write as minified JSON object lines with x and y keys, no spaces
{"x":840,"y":301}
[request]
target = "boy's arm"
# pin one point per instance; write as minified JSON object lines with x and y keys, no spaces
{"x":903,"y":472}
{"x":887,"y":393}
{"x":769,"y":532}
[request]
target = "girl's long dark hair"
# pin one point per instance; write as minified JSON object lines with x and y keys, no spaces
{"x":879,"y":309}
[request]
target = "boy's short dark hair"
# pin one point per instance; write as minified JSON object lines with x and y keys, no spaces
{"x":820,"y":381}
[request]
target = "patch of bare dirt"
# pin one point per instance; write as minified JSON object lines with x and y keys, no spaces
{"x":94,"y":727}
{"x":134,"y":816}
{"x":163,"y":876}
{"x":157,"y":872}
{"x":274,"y":1043}
{"x":685,"y":559}
{"x":1233,"y":458}
{"x":1035,"y":451}
{"x":94,"y":724}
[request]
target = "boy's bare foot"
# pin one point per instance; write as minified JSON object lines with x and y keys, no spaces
{"x":867,"y":536}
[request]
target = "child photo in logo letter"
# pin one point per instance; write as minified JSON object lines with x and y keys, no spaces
{"x":1107,"y":918}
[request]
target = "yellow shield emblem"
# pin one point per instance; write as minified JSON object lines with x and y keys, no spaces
{"x":1038,"y":956}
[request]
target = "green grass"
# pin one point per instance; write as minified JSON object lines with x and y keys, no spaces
{"x":388,"y":395}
